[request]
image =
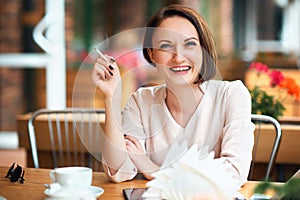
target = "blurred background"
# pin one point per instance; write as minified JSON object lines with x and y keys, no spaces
{"x":245,"y":31}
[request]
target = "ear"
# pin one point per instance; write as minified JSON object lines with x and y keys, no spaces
{"x":150,"y":53}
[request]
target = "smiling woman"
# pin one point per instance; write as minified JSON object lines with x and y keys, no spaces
{"x":188,"y":108}
{"x":177,"y":54}
{"x":196,"y":33}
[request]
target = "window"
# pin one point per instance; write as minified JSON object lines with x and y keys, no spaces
{"x":264,"y":26}
{"x":267,"y":26}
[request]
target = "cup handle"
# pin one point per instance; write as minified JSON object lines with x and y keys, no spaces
{"x":52,"y":175}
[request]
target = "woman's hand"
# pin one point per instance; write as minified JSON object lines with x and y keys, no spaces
{"x":139,"y":157}
{"x":133,"y":146}
{"x":106,"y":76}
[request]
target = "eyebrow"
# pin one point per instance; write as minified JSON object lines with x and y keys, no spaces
{"x":163,"y":41}
{"x":190,"y":38}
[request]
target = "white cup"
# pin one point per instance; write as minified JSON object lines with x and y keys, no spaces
{"x":72,"y":176}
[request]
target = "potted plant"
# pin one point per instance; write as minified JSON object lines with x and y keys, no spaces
{"x":269,"y":103}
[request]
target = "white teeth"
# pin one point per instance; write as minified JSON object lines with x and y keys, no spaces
{"x":180,"y":69}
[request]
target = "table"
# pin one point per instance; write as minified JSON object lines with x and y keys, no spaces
{"x":35,"y":178}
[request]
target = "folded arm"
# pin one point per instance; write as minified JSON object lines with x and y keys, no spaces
{"x":139,"y":157}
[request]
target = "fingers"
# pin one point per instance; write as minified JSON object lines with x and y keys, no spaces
{"x":103,"y":69}
{"x":133,"y":145}
{"x":130,"y":146}
{"x":104,"y":57}
{"x":111,"y":60}
{"x":104,"y":65}
{"x":133,"y":140}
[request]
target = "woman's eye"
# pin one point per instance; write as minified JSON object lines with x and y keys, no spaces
{"x":190,"y":44}
{"x":165,"y":46}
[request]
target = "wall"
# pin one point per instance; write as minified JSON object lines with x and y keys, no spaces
{"x":11,"y":80}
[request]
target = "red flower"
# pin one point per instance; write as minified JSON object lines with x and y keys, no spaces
{"x":260,"y":67}
{"x":276,"y":78}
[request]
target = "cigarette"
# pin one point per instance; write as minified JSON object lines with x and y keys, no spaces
{"x":101,"y":55}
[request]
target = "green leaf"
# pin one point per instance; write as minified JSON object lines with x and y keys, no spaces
{"x":289,"y":190}
{"x":262,"y":103}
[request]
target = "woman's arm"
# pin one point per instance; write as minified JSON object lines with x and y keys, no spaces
{"x":139,"y":157}
{"x":107,"y":78}
{"x":238,"y":131}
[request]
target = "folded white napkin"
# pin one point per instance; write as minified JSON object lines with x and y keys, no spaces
{"x":195,"y":175}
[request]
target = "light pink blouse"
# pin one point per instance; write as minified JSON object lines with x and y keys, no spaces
{"x":221,"y":123}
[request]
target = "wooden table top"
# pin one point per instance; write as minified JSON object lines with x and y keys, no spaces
{"x":33,"y":187}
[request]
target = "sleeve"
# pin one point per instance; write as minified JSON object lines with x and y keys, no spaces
{"x":131,"y":125}
{"x":238,"y":132}
{"x":133,"y":114}
{"x":126,"y":172}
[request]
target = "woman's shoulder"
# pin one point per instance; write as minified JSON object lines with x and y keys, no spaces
{"x":226,"y":85}
{"x":231,"y":90}
{"x":227,"y":88}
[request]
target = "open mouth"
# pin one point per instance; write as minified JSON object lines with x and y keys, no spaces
{"x":180,"y":69}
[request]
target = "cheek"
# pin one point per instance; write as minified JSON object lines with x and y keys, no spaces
{"x":161,"y":57}
{"x":197,"y":59}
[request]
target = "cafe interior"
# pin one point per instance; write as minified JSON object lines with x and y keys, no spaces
{"x":47,"y":51}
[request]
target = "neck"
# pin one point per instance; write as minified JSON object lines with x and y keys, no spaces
{"x":183,"y":98}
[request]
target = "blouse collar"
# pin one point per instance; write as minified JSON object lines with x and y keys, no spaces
{"x":203,"y":87}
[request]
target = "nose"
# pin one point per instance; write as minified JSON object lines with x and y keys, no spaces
{"x":178,"y":56}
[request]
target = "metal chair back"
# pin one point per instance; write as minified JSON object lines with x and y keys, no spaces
{"x":259,"y":120}
{"x":73,"y":136}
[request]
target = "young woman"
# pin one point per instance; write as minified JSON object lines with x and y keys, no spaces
{"x":190,"y":107}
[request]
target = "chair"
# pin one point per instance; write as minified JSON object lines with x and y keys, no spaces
{"x":72,"y":137}
{"x":259,"y":120}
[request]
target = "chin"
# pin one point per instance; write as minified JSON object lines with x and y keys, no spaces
{"x":181,"y":82}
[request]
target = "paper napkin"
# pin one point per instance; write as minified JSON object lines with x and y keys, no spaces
{"x":194,"y":175}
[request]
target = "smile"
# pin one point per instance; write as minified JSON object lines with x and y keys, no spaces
{"x":180,"y":68}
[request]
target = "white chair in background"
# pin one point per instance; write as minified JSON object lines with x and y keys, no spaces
{"x":259,"y":120}
{"x":73,"y":136}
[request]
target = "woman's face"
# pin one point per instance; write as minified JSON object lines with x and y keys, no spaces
{"x":176,"y":51}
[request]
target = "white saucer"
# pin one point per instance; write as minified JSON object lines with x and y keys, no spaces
{"x":2,"y":198}
{"x":91,"y":191}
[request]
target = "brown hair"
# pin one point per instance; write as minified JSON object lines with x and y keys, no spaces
{"x":208,"y":69}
